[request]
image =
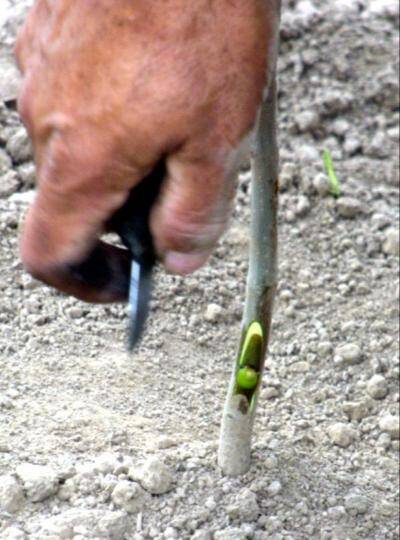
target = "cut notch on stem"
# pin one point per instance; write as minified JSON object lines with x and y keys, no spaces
{"x":249,"y":362}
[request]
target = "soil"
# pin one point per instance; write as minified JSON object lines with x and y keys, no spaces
{"x":96,"y":443}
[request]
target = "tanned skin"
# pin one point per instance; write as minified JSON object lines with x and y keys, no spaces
{"x":110,"y":88}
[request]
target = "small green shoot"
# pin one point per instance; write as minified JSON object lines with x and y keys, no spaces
{"x":330,"y":171}
{"x":246,"y":378}
{"x":252,"y":347}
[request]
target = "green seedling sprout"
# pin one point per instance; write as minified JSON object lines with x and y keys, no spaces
{"x":330,"y":171}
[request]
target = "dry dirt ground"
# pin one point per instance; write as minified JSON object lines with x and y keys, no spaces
{"x":98,"y":444}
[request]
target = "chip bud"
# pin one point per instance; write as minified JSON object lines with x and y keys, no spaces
{"x":247,"y":378}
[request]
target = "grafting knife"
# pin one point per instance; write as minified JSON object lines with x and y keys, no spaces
{"x":131,"y":223}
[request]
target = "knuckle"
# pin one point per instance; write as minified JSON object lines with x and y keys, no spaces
{"x":188,"y":233}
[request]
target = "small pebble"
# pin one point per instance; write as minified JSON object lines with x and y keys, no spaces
{"x":170,"y":533}
{"x":9,"y":184}
{"x":335,"y":101}
{"x":350,"y":353}
{"x":129,"y":496}
{"x":245,"y":506}
{"x":40,"y":482}
{"x":11,"y":494}
{"x":307,"y":120}
{"x":387,"y":508}
{"x":348,"y":207}
{"x":321,"y":185}
{"x":384,"y":440}
{"x":390,"y":424}
{"x":201,"y":535}
{"x":154,"y":476}
{"x":377,"y":387}
{"x":356,"y":504}
{"x":352,"y":145}
{"x":324,"y":349}
{"x":287,"y":175}
{"x":5,"y":162}
{"x":341,"y":434}
{"x":75,"y":312}
{"x":213,"y":312}
{"x":231,"y":533}
{"x":290,"y":216}
{"x":19,"y":146}
{"x":356,"y":411}
{"x":378,"y":146}
{"x":67,"y":490}
{"x":307,"y":154}
{"x":274,"y":488}
{"x":13,"y":533}
{"x":303,"y":206}
{"x":340,"y":126}
{"x":271,"y":392}
{"x":27,"y":174}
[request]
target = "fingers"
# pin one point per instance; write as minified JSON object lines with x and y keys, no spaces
{"x":192,"y":211}
{"x":77,"y":194}
{"x":63,"y":251}
{"x":101,"y":277}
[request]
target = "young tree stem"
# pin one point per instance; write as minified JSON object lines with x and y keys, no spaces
{"x":239,"y":413}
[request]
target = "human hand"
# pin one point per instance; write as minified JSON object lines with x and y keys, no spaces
{"x":110,"y":89}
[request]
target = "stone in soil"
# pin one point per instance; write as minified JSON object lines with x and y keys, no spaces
{"x":350,"y":353}
{"x":321,"y":185}
{"x":201,"y":535}
{"x":231,"y":533}
{"x":389,"y":423}
{"x":27,"y":174}
{"x":274,"y":488}
{"x":287,"y":175}
{"x":13,"y":533}
{"x":341,"y":434}
{"x":11,"y":494}
{"x":85,"y":523}
{"x":377,"y":387}
{"x":349,"y":207}
{"x":5,"y":162}
{"x":356,"y":410}
{"x":213,"y":312}
{"x":19,"y":146}
{"x":356,"y":504}
{"x":154,"y":476}
{"x":129,"y":496}
{"x":40,"y":482}
{"x":303,"y":206}
{"x":9,"y":184}
{"x":245,"y":506}
{"x":307,"y":120}
{"x":10,"y":78}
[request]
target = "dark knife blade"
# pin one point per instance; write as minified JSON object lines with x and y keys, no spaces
{"x":139,"y":301}
{"x":131,"y":223}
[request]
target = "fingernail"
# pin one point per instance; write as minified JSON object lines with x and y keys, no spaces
{"x":184,"y":263}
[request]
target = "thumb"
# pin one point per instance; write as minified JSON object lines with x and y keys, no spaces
{"x":191,"y":212}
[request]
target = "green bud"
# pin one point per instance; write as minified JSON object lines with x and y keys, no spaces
{"x":247,"y":378}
